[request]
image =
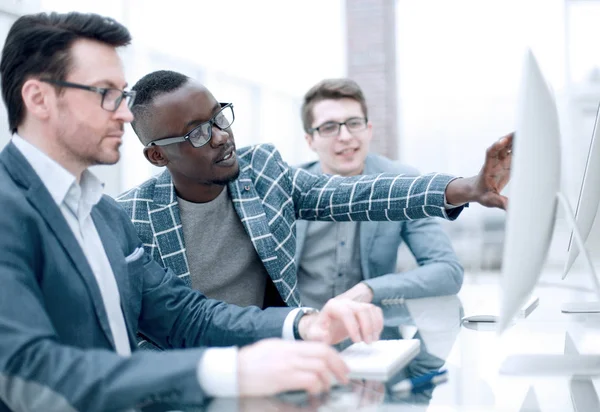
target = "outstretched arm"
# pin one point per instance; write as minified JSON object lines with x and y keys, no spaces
{"x":399,"y":197}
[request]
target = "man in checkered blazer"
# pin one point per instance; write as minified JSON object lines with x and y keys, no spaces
{"x":232,"y":244}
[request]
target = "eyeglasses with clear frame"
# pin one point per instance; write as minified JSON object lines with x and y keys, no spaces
{"x":332,"y":129}
{"x":111,"y":97}
{"x":201,"y":134}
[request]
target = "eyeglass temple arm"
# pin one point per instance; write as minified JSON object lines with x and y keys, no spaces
{"x":164,"y":142}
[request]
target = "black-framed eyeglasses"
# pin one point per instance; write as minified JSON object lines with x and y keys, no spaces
{"x":332,"y":129}
{"x":201,"y":134}
{"x":111,"y":98}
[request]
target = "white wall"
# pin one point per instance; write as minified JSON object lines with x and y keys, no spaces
{"x":459,"y":69}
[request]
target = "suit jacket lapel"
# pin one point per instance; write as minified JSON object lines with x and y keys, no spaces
{"x":248,"y":206}
{"x":164,"y":215}
{"x":302,"y":225}
{"x":42,"y":201}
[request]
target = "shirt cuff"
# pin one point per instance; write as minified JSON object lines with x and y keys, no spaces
{"x":288,"y":325}
{"x":449,"y":206}
{"x":217,"y":372}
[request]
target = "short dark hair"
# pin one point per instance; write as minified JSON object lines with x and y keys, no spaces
{"x":149,"y":88}
{"x":39,"y":45}
{"x":330,"y":89}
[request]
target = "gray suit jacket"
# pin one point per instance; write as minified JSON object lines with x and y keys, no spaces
{"x":439,"y":271}
{"x":56,"y":347}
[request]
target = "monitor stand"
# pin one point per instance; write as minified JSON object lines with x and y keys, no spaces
{"x":571,"y":364}
{"x":583,"y":394}
{"x":580,"y":307}
{"x":530,"y":404}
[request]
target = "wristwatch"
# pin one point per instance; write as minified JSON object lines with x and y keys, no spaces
{"x":303,"y":311}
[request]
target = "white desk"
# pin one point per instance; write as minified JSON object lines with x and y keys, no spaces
{"x":472,"y":357}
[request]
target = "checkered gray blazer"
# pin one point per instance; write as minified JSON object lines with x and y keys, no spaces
{"x":269,"y":196}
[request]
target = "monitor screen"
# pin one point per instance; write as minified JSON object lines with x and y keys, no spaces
{"x":535,"y":180}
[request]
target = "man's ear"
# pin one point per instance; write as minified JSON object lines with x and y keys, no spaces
{"x":38,"y":98}
{"x":156,"y":156}
{"x":310,"y":141}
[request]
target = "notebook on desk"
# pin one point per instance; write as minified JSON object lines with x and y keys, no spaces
{"x":380,"y":360}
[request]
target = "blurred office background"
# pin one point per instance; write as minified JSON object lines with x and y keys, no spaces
{"x":441,"y":79}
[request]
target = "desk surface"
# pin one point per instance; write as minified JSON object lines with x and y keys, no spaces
{"x":471,"y":356}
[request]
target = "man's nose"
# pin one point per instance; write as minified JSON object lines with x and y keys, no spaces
{"x":219,"y":137}
{"x":123,"y":112}
{"x":344,"y":133}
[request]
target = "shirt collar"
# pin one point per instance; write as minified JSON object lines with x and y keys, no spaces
{"x":57,"y":179}
{"x":92,"y":190}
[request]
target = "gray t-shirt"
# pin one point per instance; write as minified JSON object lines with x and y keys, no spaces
{"x":223,"y":262}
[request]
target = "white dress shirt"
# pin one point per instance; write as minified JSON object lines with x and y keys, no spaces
{"x":217,"y":369}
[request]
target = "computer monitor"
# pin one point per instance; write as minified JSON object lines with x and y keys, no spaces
{"x":589,"y":196}
{"x":534,"y":184}
{"x":533,"y":199}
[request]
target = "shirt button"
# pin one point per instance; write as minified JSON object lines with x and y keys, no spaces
{"x":343,"y":243}
{"x":340,"y":275}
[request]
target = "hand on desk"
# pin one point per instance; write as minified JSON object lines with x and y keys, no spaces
{"x":341,"y":319}
{"x":273,"y":365}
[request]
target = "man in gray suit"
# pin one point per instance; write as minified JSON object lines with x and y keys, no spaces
{"x":76,"y":283}
{"x":357,"y":260}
